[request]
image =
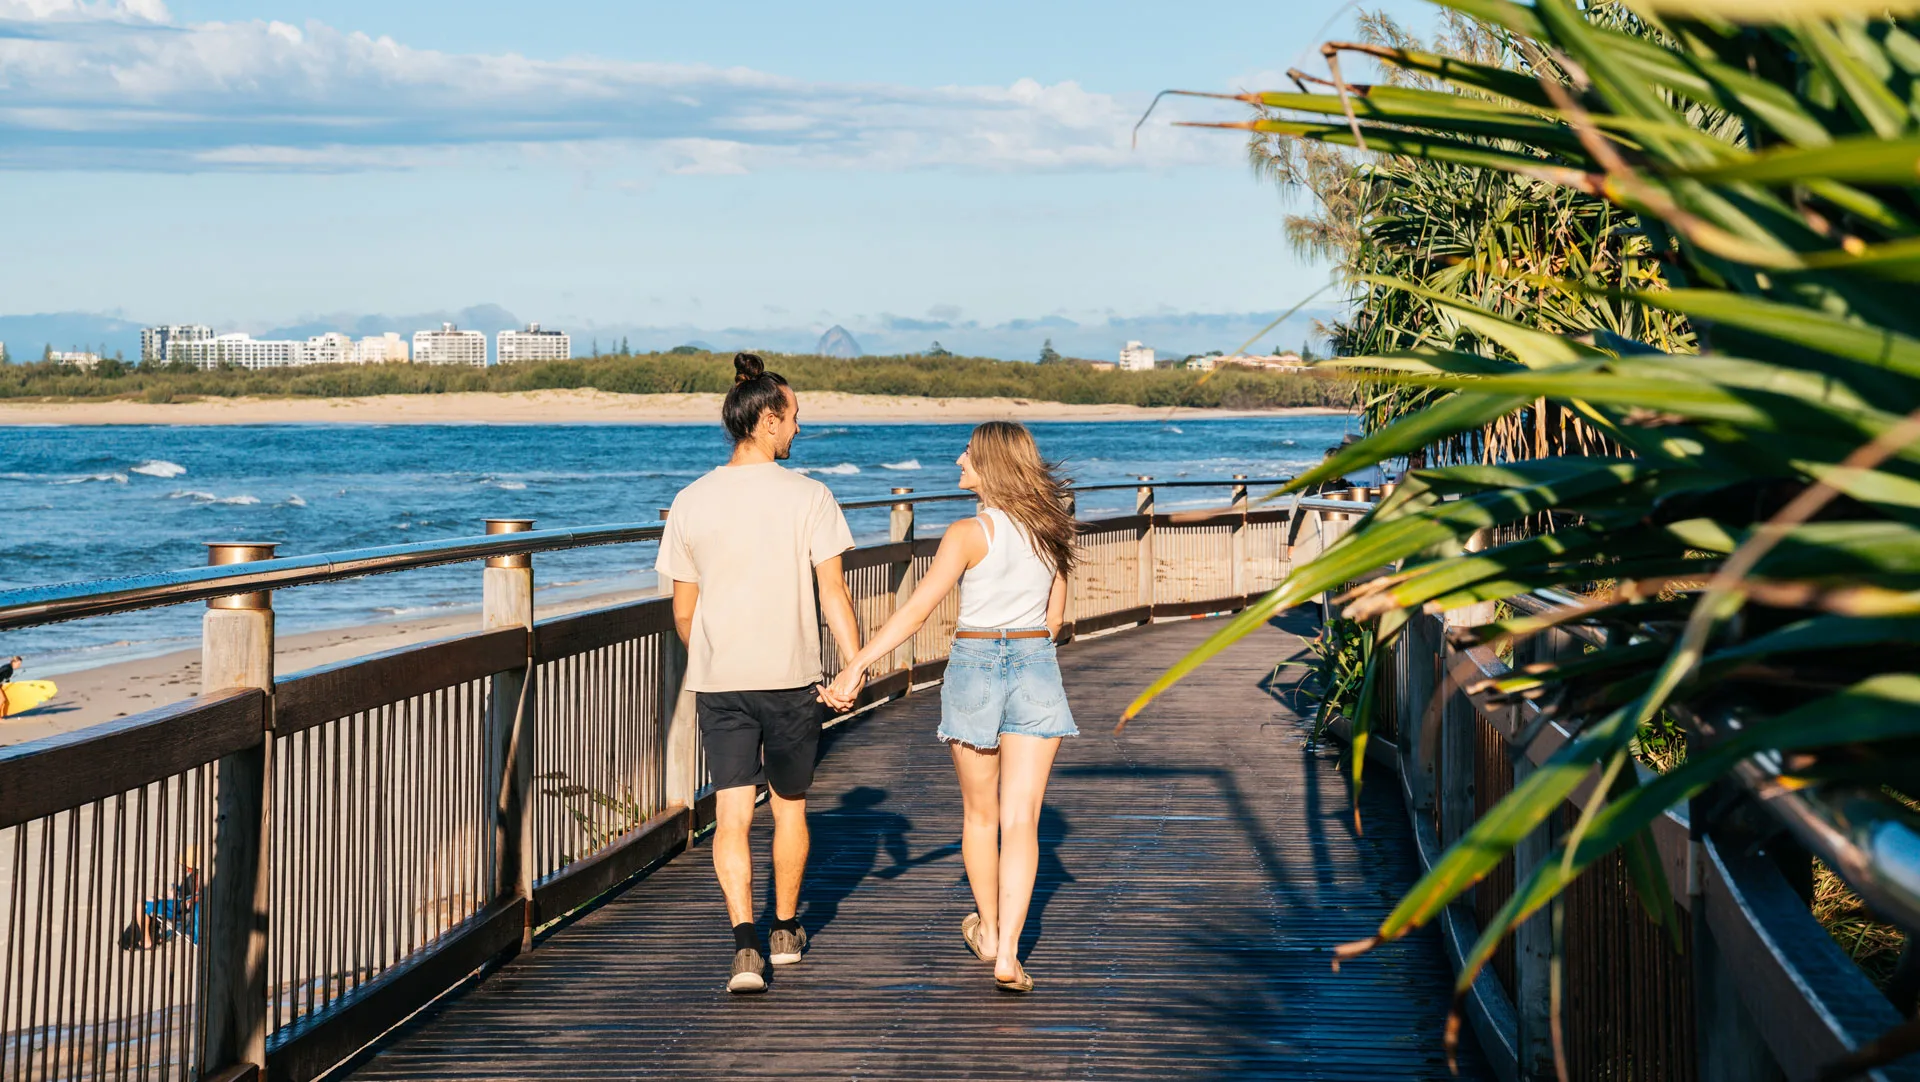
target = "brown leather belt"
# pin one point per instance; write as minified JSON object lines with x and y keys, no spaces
{"x":1037,"y":633}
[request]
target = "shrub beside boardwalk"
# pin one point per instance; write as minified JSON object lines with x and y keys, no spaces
{"x":665,"y":373}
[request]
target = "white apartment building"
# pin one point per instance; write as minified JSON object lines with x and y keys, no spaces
{"x":1271,"y":361}
{"x":157,"y":344}
{"x":450,"y":345}
{"x":330,"y":348}
{"x":532,"y":344}
{"x":240,"y":351}
{"x":388,"y":348}
{"x":1135,"y":357}
{"x":75,"y":358}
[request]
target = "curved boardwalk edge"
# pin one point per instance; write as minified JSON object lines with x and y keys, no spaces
{"x":1195,"y":873}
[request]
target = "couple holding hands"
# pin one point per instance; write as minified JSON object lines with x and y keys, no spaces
{"x":744,"y":546}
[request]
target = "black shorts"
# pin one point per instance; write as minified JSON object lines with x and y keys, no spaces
{"x":736,"y":725}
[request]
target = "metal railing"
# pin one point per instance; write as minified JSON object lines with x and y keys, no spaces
{"x":406,"y":819}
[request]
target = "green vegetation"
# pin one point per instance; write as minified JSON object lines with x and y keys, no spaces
{"x":1631,"y":189}
{"x":676,"y":372}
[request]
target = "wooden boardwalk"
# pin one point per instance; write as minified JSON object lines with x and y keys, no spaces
{"x":1195,"y":873}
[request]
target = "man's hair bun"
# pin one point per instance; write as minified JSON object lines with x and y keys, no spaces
{"x":748,"y":366}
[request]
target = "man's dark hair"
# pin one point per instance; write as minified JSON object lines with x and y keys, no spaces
{"x":755,"y":390}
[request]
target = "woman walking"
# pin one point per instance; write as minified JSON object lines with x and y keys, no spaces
{"x":1002,"y":707}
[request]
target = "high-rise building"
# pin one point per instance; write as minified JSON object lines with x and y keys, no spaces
{"x":450,"y":345}
{"x":330,"y":348}
{"x":1136,"y":358}
{"x":157,"y":344}
{"x":239,"y":351}
{"x":532,"y":344}
{"x":388,"y":348}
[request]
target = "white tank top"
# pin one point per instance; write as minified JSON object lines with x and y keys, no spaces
{"x":1010,"y":586}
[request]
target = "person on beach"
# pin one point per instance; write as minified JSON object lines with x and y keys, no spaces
{"x":1003,"y":710}
{"x":10,"y":666}
{"x":744,"y":546}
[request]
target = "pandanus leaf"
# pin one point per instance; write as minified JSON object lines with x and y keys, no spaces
{"x":1860,"y":159}
{"x":1454,"y":413}
{"x":1363,"y":550}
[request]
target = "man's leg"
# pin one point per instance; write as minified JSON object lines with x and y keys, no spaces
{"x":790,"y":845}
{"x":732,"y":855}
{"x":731,"y":736}
{"x":792,"y":720}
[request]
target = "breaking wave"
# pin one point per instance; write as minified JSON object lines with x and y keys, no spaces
{"x":207,"y":497}
{"x":159,"y":467}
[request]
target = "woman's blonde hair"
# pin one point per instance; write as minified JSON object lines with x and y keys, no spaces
{"x":1015,"y":479}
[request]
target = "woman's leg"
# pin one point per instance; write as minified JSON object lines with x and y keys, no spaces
{"x":979,"y":773}
{"x":1025,"y":762}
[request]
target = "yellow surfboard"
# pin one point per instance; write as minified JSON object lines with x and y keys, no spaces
{"x":23,"y":695}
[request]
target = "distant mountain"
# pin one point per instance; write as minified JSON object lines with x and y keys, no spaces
{"x":27,"y":337}
{"x":837,"y":343}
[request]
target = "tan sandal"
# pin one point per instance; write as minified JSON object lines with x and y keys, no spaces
{"x":1020,"y":985}
{"x":970,"y":931}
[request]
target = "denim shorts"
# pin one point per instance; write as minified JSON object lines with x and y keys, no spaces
{"x":995,"y":686}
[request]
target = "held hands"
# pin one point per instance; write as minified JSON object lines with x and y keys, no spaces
{"x":840,"y":694}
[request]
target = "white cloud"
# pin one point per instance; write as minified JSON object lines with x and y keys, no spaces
{"x":117,"y":84}
{"x":152,"y":11}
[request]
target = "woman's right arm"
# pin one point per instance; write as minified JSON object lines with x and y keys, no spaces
{"x":964,"y":544}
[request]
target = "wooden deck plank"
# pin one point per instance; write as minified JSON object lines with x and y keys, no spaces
{"x":1195,"y":874}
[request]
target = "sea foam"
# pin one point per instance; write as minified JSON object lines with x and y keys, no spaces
{"x":909,"y":464}
{"x":159,"y":467}
{"x":207,"y":497}
{"x":116,"y":478}
{"x":843,"y":469}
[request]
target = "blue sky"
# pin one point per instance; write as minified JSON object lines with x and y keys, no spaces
{"x":668,"y":169}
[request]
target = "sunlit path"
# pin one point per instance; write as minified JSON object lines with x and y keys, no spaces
{"x":1195,"y":873}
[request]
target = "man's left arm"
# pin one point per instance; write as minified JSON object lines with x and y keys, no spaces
{"x":836,"y":606}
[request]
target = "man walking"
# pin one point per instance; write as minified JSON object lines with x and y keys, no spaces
{"x":743,"y":546}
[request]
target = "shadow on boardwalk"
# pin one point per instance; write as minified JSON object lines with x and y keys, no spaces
{"x":1196,"y":872}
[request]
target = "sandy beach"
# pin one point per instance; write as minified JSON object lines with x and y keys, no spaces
{"x":581,"y":406}
{"x":91,"y":696}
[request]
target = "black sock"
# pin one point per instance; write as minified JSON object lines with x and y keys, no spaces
{"x":746,"y":937}
{"x":790,"y":924}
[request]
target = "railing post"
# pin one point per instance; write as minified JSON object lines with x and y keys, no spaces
{"x":236,"y":651}
{"x":901,"y":577}
{"x":683,"y":727}
{"x":507,"y":601}
{"x":1237,"y":576}
{"x":1143,"y":505}
{"x":900,"y":523}
{"x":1459,"y":722}
{"x":1424,"y":641}
{"x":1729,"y":1044}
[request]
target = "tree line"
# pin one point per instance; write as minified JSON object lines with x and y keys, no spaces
{"x":663,"y":373}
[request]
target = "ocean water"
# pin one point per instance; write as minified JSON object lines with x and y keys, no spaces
{"x":101,"y":502}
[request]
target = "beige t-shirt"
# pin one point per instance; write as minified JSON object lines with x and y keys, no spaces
{"x":751,"y":537}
